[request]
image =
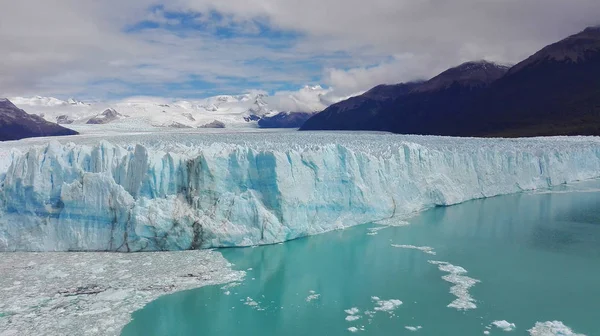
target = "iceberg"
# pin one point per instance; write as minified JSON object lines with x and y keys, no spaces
{"x":190,"y":191}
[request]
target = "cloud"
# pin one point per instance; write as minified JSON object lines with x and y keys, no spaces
{"x":117,"y":48}
{"x":307,"y":99}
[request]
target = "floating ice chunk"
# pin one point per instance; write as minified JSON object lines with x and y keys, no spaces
{"x":411,"y":328}
{"x":504,"y":325}
{"x":352,"y":311}
{"x":312,"y":296}
{"x":424,"y":249}
{"x":552,"y":328}
{"x":231,"y":285}
{"x":351,"y":318}
{"x":386,"y":305}
{"x":353,"y":329}
{"x":393,"y":221}
{"x":461,"y":283}
{"x":250,"y":302}
{"x":374,"y":230}
{"x":486,"y":332}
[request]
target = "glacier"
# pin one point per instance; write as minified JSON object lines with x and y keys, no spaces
{"x":189,"y":190}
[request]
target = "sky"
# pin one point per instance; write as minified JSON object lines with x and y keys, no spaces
{"x":113,"y":49}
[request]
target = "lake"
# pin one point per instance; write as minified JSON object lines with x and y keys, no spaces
{"x":515,"y":260}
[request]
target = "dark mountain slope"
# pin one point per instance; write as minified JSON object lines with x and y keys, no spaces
{"x":408,"y":106}
{"x":431,"y":107}
{"x":360,"y":112}
{"x":284,"y":120}
{"x":554,"y":92}
{"x":17,"y":124}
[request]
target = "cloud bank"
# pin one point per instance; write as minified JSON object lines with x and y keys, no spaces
{"x":195,"y":48}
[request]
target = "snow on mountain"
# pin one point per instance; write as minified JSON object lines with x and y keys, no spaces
{"x":56,"y":110}
{"x":475,"y":74}
{"x":109,"y":115}
{"x":72,"y":101}
{"x":139,"y":112}
{"x":181,"y":190}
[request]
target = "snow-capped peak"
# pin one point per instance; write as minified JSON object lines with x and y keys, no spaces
{"x":73,"y":101}
{"x":469,"y":74}
{"x":241,"y":110}
{"x":260,"y":100}
{"x":593,"y":29}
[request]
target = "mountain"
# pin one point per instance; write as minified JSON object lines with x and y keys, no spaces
{"x":17,"y":124}
{"x":556,"y":91}
{"x":140,"y":112}
{"x":430,"y":107}
{"x":358,"y":112}
{"x":284,"y":120}
{"x":469,"y":75}
{"x":64,"y":119}
{"x":105,"y":117}
{"x":404,"y":108}
{"x":573,"y":49}
{"x":213,"y":124}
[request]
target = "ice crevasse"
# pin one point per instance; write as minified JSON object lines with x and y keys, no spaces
{"x":107,"y":196}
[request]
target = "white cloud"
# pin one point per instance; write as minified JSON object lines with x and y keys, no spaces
{"x":405,"y":67}
{"x":307,"y":99}
{"x":82,"y":47}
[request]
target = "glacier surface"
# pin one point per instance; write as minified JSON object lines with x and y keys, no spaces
{"x":179,"y":191}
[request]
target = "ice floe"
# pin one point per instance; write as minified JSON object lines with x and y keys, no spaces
{"x":81,"y":300}
{"x":386,"y":305}
{"x":352,"y":311}
{"x":424,"y":249}
{"x":552,"y":328}
{"x":461,"y":283}
{"x":504,"y":325}
{"x":312,"y":296}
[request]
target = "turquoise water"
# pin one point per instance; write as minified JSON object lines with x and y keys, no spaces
{"x":537,"y":257}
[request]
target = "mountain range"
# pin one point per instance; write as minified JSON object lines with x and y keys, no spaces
{"x":556,"y":91}
{"x":244,"y":110}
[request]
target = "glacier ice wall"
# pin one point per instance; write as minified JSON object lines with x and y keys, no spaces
{"x":116,"y":197}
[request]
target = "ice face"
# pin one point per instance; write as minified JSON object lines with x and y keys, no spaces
{"x":188,"y":191}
